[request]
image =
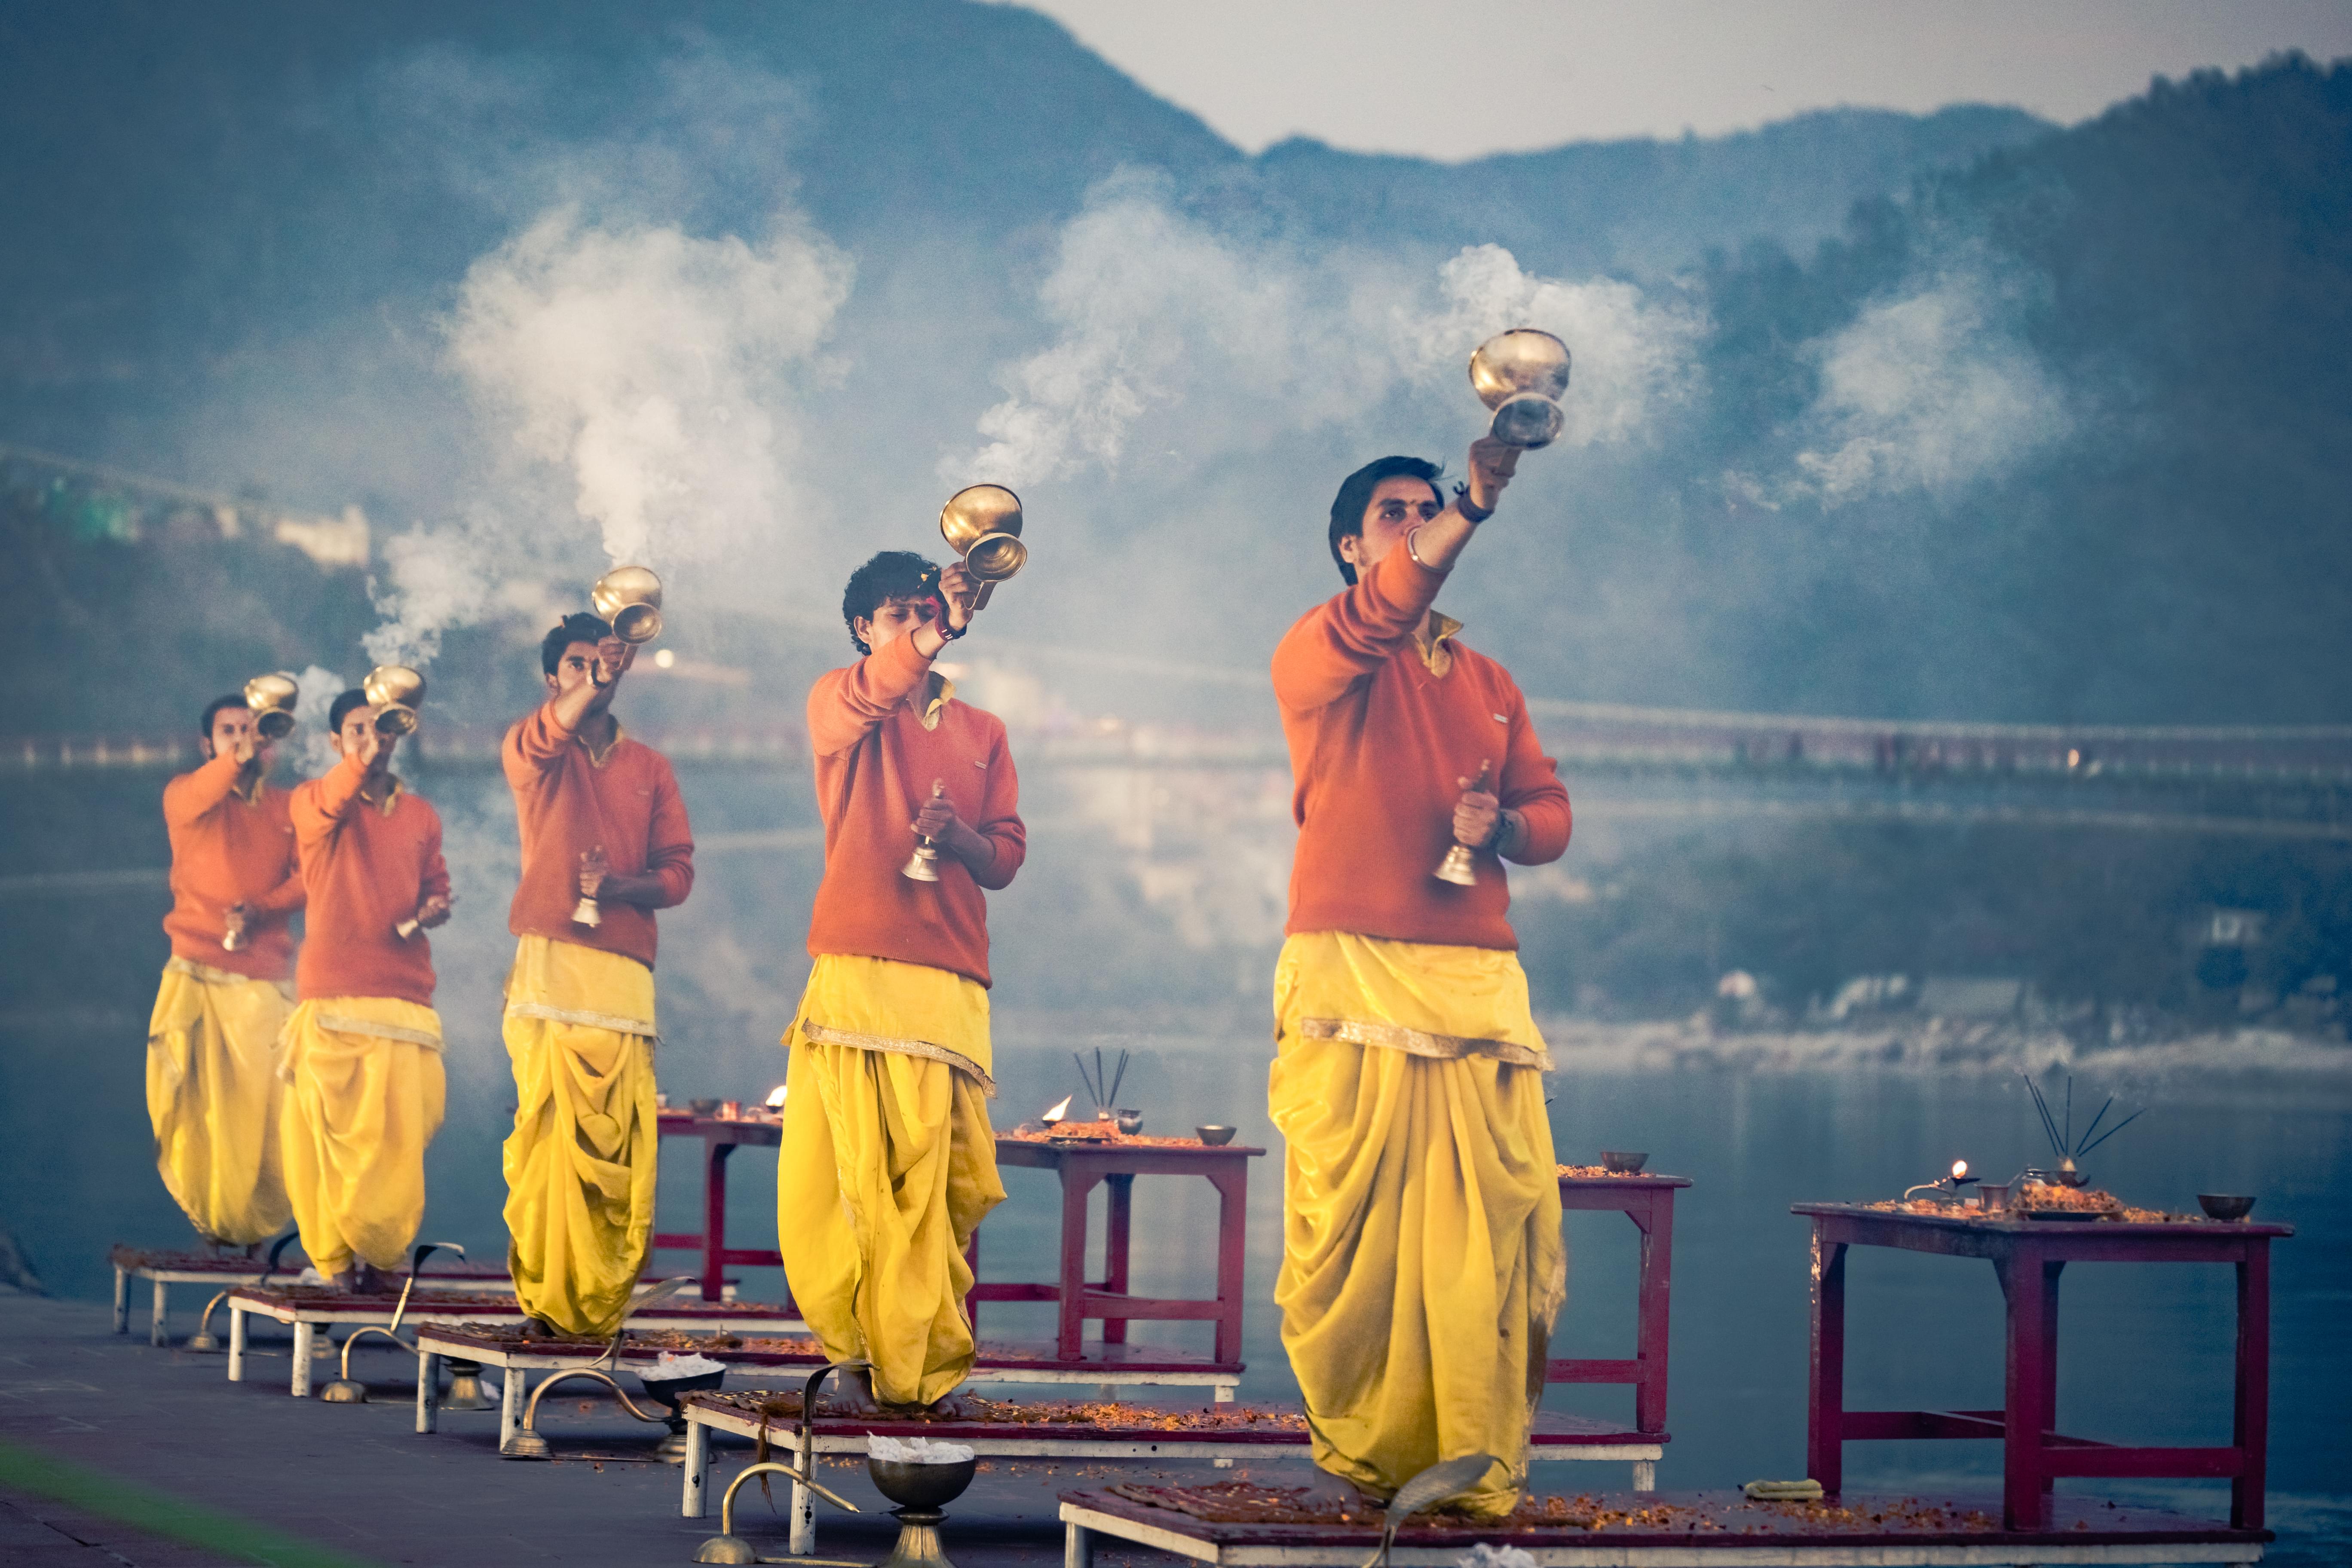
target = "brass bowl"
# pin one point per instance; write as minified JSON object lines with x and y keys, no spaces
{"x":1130,"y":1122}
{"x":703,"y":1107}
{"x":925,"y":1487}
{"x":1214,"y":1135}
{"x":2225,"y":1206}
{"x":628,"y":599}
{"x":1623,"y":1162}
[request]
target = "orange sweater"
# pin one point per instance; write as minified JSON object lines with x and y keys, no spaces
{"x":1377,"y":738}
{"x":875,"y":759}
{"x":227,"y":849}
{"x":566,"y":803}
{"x":366,"y":868}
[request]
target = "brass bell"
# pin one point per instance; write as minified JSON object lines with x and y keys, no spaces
{"x":1457,"y":868}
{"x":1521,"y":374}
{"x":586,"y":914}
{"x":923,"y":865}
{"x":270,"y":699}
{"x":395,"y":690}
{"x":982,"y":524}
{"x":630,"y":598}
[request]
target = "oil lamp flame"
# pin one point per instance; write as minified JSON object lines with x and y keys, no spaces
{"x":776,"y":1098}
{"x":1060,"y":1110}
{"x":1959,"y":1168}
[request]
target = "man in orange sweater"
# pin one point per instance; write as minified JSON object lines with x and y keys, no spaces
{"x":364,"y":1084}
{"x":1421,"y":1264}
{"x":604,"y":836}
{"x":212,"y":1041}
{"x":888,"y":1163}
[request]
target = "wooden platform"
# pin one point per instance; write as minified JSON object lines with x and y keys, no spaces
{"x":1672,"y":1530}
{"x":313,"y":1307}
{"x":1221,"y":1436}
{"x":218,"y":1270}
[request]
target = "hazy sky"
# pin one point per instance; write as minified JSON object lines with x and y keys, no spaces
{"x":1456,"y":80}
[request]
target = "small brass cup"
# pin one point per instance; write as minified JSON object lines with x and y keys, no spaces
{"x":982,"y":524}
{"x":630,"y":598}
{"x":1520,"y":374}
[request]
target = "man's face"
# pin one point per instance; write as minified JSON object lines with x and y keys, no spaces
{"x":352,"y":736}
{"x":231,"y":728}
{"x":1399,"y":504}
{"x":894,"y":619}
{"x":575,"y":669}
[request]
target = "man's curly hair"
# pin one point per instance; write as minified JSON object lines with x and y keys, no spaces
{"x":892,"y":574}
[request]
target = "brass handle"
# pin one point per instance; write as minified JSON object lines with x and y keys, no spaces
{"x":726,"y":1504}
{"x":356,"y":1335}
{"x":530,"y":1412}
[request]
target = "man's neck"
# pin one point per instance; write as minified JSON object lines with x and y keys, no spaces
{"x":377,"y":786}
{"x":599,"y":728}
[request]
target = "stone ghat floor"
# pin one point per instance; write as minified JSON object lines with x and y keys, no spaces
{"x":164,"y":1430}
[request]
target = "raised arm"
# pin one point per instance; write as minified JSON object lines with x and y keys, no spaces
{"x":845,"y":704}
{"x":319,"y":806}
{"x":1347,"y":638}
{"x":187,"y":799}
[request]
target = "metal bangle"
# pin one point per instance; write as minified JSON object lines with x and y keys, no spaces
{"x":1411,"y":549}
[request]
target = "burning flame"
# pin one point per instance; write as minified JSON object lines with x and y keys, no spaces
{"x":1059,"y":1110}
{"x":776,"y":1098}
{"x":1959,"y":1168}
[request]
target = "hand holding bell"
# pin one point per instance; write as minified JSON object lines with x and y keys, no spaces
{"x":432,"y":914}
{"x":923,"y":866}
{"x":1521,"y":375}
{"x":1457,"y":866}
{"x":629,"y":598}
{"x":982,"y":524}
{"x":395,"y":690}
{"x":233,"y":937}
{"x":270,"y":699}
{"x":594,"y":868}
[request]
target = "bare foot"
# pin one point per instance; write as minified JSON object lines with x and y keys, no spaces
{"x":373,"y":1281}
{"x":348,"y":1282}
{"x":538,"y":1329}
{"x":853,"y":1394}
{"x":950,"y":1407}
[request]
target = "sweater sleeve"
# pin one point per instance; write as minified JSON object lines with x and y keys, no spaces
{"x":670,"y":847}
{"x":1000,"y":822}
{"x":845,"y":704}
{"x":1530,"y":786}
{"x":535,"y":744}
{"x":187,"y":799}
{"x":1339,"y":642}
{"x":319,"y":806}
{"x":435,"y":881}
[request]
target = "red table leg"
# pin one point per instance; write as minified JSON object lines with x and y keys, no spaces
{"x":1114,"y":1240}
{"x":2032,"y":1287}
{"x":2250,"y":1418}
{"x":1078,"y":1185}
{"x":971,"y":1297}
{"x":1232,"y":1251}
{"x":1826,"y":1410}
{"x":714,"y":1217}
{"x":1651,"y":1306}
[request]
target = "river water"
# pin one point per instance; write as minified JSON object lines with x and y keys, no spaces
{"x":1757,"y":1125}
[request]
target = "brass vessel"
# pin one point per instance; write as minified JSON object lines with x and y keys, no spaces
{"x":982,"y":524}
{"x":1521,"y":374}
{"x":629,"y":598}
{"x":270,"y":699}
{"x":922,"y":1493}
{"x":728,"y":1547}
{"x":394,"y":690}
{"x":466,"y":1388}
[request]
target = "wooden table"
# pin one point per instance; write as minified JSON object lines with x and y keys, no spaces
{"x":1258,"y":1434}
{"x":1649,"y":1202}
{"x":2028,"y":1256}
{"x":221,"y":1271}
{"x":1675,"y":1529}
{"x":1084,"y":1164}
{"x":721,"y":1136}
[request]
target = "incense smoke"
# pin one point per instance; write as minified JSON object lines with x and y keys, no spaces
{"x":1167,"y":329}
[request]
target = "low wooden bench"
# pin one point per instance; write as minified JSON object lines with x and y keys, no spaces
{"x":1271,"y":1432}
{"x":222,"y":1271}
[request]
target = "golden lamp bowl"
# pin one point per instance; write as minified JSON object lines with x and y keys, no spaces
{"x":394,"y":692}
{"x":1521,"y":374}
{"x":982,"y":524}
{"x":630,"y":598}
{"x":270,"y":699}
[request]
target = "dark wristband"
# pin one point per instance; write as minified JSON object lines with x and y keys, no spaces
{"x":1465,"y":506}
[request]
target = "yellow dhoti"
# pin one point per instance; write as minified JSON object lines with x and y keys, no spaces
{"x":581,"y":1162}
{"x":1422,"y":1258}
{"x":211,"y":1098}
{"x":364,"y":1097}
{"x":888,"y":1167}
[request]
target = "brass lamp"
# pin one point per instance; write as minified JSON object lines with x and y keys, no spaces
{"x":630,"y":598}
{"x":395,"y":690}
{"x":1520,"y":374}
{"x":982,"y":524}
{"x":347,"y":1390}
{"x":728,"y":1547}
{"x":466,"y":1388}
{"x":270,"y":699}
